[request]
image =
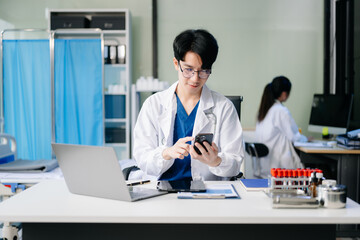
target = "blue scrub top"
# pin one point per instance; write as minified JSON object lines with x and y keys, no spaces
{"x":184,"y":125}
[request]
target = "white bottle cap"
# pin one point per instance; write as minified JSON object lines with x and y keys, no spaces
{"x":319,"y":175}
{"x":329,"y":182}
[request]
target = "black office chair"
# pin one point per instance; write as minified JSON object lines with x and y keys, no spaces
{"x":236,"y":100}
{"x":126,"y":171}
{"x":256,"y":151}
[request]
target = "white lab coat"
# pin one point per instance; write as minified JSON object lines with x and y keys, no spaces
{"x":216,"y":114}
{"x":278,"y":131}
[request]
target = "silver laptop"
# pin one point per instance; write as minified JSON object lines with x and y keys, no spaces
{"x":95,"y":171}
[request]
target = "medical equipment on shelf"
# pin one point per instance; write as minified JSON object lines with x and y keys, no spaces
{"x":116,"y":89}
{"x":150,"y":84}
{"x":7,"y":148}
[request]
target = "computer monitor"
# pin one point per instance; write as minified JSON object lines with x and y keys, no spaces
{"x":331,"y":111}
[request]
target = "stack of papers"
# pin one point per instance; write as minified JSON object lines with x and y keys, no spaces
{"x":318,"y":144}
{"x":348,"y":143}
{"x":212,"y":192}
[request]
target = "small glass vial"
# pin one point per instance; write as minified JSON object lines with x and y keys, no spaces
{"x":320,"y":177}
{"x":313,"y":185}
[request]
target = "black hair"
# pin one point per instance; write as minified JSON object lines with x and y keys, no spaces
{"x":198,"y":41}
{"x":272,"y":92}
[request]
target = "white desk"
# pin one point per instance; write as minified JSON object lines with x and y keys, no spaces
{"x":50,"y":204}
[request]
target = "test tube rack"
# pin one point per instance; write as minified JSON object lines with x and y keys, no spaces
{"x":290,"y":183}
{"x":282,"y":178}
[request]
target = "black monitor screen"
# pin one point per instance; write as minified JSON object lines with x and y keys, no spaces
{"x":331,"y":110}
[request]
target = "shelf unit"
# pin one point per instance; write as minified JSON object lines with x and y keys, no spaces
{"x":136,"y":103}
{"x":115,"y":25}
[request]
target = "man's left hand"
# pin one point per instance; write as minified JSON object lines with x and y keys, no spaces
{"x":209,"y":157}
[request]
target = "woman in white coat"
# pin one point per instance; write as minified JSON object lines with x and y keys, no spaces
{"x":277,"y":129}
{"x":169,"y":120}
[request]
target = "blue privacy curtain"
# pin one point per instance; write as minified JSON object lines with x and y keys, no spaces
{"x":78,"y":91}
{"x":27,"y":96}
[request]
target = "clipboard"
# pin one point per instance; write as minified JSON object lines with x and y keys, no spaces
{"x":216,"y":191}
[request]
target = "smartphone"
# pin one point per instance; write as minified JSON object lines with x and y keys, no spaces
{"x":181,"y":186}
{"x":203,"y":137}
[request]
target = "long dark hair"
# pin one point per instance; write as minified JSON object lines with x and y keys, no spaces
{"x":272,"y":92}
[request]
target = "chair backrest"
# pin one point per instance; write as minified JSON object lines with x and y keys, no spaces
{"x":256,"y":149}
{"x":236,"y":100}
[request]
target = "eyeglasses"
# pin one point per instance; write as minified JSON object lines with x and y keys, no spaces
{"x":189,"y":72}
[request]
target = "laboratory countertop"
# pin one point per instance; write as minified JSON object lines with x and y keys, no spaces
{"x":333,"y":150}
{"x":50,"y":201}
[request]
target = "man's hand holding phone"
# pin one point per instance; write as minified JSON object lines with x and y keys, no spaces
{"x":205,"y":150}
{"x":180,"y":149}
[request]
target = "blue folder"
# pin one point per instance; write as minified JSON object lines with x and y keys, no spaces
{"x":255,"y":184}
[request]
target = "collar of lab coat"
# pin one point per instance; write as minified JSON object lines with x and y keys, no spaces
{"x":277,"y":101}
{"x":206,"y":100}
{"x":166,"y":119}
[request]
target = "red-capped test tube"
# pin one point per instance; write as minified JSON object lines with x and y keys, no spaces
{"x":290,"y":175}
{"x":295,"y":174}
{"x":301,"y":175}
{"x":273,"y":173}
{"x":280,"y":176}
{"x":286,"y":176}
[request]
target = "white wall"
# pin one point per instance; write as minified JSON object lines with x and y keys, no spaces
{"x":5,"y":25}
{"x":258,"y":40}
{"x":31,"y":14}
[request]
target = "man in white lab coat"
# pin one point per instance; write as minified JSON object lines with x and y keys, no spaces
{"x":169,"y":120}
{"x":277,"y":129}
